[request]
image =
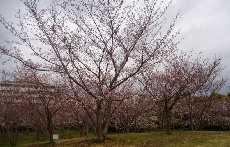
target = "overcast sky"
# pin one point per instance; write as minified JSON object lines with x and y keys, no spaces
{"x":205,"y":26}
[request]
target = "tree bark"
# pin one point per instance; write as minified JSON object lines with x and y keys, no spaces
{"x":84,"y":127}
{"x":50,"y":128}
{"x":99,"y":121}
{"x":168,"y":121}
{"x":107,"y":119}
{"x":103,"y":126}
{"x":13,"y":135}
{"x":190,"y":113}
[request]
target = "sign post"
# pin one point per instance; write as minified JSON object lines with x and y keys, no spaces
{"x":55,"y":136}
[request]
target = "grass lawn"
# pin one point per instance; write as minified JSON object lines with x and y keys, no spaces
{"x":25,"y":138}
{"x":152,"y":139}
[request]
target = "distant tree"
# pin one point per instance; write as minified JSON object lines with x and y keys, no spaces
{"x":97,"y":45}
{"x":43,"y":96}
{"x":10,"y":111}
{"x":45,"y":100}
{"x":218,"y":95}
{"x":133,"y":114}
{"x":34,"y":121}
{"x":78,"y":116}
{"x":181,"y":77}
{"x":219,"y":114}
{"x":198,"y":112}
{"x":200,"y":102}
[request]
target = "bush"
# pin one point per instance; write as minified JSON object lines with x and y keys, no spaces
{"x":217,"y":127}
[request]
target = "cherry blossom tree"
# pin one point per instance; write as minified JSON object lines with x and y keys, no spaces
{"x":133,"y":114}
{"x":219,"y":112}
{"x":203,"y":101}
{"x":181,"y":77}
{"x":78,"y":117}
{"x":46,"y":100}
{"x":204,"y":112}
{"x":33,"y":120}
{"x":10,"y":110}
{"x":42,"y":97}
{"x":97,"y":45}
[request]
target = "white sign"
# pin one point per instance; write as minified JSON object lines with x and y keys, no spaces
{"x":55,"y":136}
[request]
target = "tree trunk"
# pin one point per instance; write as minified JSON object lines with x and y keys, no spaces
{"x":99,"y":121}
{"x":102,"y":128}
{"x":190,"y":113}
{"x":127,"y":129}
{"x":50,"y":128}
{"x":168,"y":121}
{"x":37,"y":135}
{"x":51,"y":137}
{"x":191,"y":120}
{"x":107,"y":119}
{"x":4,"y":138}
{"x":162,"y":122}
{"x":13,"y":135}
{"x":84,"y":127}
{"x":167,"y":115}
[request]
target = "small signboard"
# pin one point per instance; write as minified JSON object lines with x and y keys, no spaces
{"x":55,"y":136}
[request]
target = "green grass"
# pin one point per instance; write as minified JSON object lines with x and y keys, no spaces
{"x":25,"y":138}
{"x":152,"y":139}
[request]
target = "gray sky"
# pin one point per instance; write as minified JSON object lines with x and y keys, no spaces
{"x":205,"y":26}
